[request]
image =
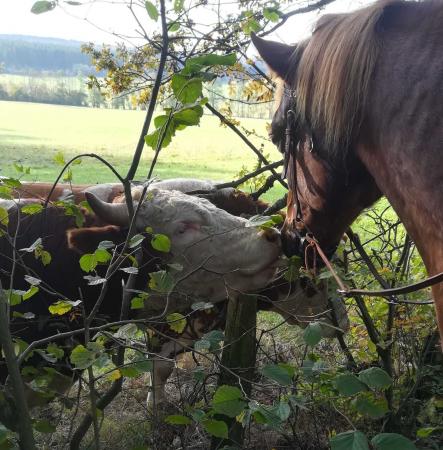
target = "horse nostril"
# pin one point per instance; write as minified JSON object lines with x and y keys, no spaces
{"x":291,"y":244}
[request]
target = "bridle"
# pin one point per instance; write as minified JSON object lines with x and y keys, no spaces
{"x":291,"y":148}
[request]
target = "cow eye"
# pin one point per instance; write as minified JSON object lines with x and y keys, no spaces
{"x":183,"y":227}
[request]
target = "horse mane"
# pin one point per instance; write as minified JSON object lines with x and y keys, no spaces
{"x":333,"y":75}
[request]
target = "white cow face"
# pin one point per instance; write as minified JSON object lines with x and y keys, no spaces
{"x":220,"y":255}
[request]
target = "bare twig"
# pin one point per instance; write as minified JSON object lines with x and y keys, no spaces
{"x":24,"y":420}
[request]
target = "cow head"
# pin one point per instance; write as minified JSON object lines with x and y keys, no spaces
{"x":219,"y":253}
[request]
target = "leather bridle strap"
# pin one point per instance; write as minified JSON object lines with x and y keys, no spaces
{"x":291,"y":150}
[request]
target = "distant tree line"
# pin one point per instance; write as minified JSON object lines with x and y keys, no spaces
{"x":73,"y":91}
{"x":27,"y":55}
{"x":42,"y":93}
{"x":39,"y":60}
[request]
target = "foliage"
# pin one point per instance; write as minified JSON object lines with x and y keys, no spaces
{"x":307,"y":390}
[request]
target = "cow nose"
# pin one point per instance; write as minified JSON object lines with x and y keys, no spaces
{"x":271,"y":234}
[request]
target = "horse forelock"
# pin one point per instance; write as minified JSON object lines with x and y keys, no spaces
{"x":333,"y":74}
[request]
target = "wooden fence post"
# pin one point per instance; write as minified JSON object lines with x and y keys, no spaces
{"x":239,"y":354}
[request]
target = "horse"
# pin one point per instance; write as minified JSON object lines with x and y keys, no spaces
{"x":360,"y":115}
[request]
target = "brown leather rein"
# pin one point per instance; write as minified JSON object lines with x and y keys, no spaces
{"x":346,"y":292}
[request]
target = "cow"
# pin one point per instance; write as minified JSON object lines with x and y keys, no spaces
{"x":231,"y":200}
{"x":107,"y":192}
{"x":298,"y":302}
{"x":217,"y":253}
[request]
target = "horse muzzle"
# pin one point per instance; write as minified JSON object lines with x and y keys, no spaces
{"x":296,"y":244}
{"x":293,"y":244}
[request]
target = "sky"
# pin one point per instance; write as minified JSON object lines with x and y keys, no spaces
{"x":97,"y":20}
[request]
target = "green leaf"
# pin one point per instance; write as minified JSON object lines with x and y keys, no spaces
{"x":161,"y":242}
{"x":94,"y":280}
{"x":14,"y":296}
{"x":271,"y":14}
{"x":12,"y":182}
{"x":177,"y":419}
{"x":216,"y":428}
{"x":102,"y":255}
{"x":62,"y":307}
{"x":349,"y":440}
{"x":106,"y":245}
{"x":59,"y":158}
{"x":45,"y":257}
{"x":136,"y":240}
{"x":260,"y":221}
{"x":199,"y":373}
{"x":161,"y":281}
{"x":196,"y":64}
{"x":375,"y":378}
{"x":4,"y":217}
{"x":348,"y":384}
{"x":277,"y":219}
{"x":177,"y":322}
{"x":281,"y":374}
{"x":228,"y":400}
{"x":42,"y":7}
{"x":392,"y":441}
{"x":201,"y":306}
{"x":143,"y":365}
{"x":152,"y":10}
{"x":138,"y":302}
{"x":251,"y":25}
{"x":272,"y":416}
{"x":173,"y":27}
{"x":189,"y":116}
{"x":129,"y":371}
{"x":214,"y":337}
{"x":43,"y":426}
{"x":30,"y":292}
{"x":426,"y":431}
{"x":186,"y":90}
{"x":88,"y":262}
{"x":32,"y":280}
{"x":81,"y":357}
{"x":313,"y":334}
{"x":6,"y":192}
{"x":154,"y":138}
{"x":55,"y":350}
{"x":367,"y":404}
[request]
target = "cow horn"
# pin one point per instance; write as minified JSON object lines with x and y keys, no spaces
{"x":112,"y":213}
{"x":275,"y":54}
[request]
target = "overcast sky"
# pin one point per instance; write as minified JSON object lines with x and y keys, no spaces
{"x":98,"y":19}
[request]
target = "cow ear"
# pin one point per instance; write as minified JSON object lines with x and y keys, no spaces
{"x":86,"y":240}
{"x":275,"y":54}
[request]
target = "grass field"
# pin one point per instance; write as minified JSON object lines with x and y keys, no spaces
{"x":32,"y":134}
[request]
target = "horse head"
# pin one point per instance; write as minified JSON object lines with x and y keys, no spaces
{"x":326,"y":191}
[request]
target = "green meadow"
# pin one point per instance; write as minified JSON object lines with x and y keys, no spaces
{"x":31,"y":134}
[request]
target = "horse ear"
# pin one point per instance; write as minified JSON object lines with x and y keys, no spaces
{"x":275,"y":54}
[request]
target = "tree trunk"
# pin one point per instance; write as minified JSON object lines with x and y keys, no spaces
{"x":239,"y":355}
